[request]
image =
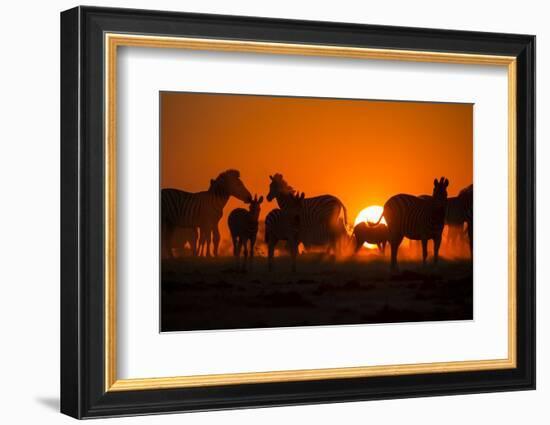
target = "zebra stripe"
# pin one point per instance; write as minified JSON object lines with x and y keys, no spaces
{"x":186,"y":209}
{"x":417,"y":218}
{"x":284,"y":225}
{"x":201,"y":209}
{"x":413,"y":217}
{"x":276,"y":228}
{"x":319,"y":224}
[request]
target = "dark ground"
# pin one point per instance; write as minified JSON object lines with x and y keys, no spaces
{"x":210,"y":293}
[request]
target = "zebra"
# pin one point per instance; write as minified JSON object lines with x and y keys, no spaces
{"x":243,"y":226}
{"x":416,"y":218}
{"x":373,"y":234}
{"x":284,"y":225}
{"x":467,"y":197}
{"x":455,"y":217}
{"x":202,"y":209}
{"x":318,"y":218}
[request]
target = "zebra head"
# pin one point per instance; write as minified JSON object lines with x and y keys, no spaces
{"x":229,"y":182}
{"x":254,"y":206}
{"x":440,"y":189}
{"x":293,"y":209}
{"x":278,"y":187}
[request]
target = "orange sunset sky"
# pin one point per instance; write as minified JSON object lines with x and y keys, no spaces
{"x":362,"y":151}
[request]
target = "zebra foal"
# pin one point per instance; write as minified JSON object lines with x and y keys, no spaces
{"x":243,"y":226}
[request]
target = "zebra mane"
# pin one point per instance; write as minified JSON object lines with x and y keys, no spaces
{"x":229,"y":173}
{"x":283,"y":185}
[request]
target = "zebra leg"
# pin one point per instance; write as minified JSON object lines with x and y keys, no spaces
{"x":394,"y":244}
{"x":202,"y":245}
{"x":194,"y":241}
{"x":358,"y":245}
{"x":245,"y":252}
{"x":252,"y":243}
{"x":238,"y":255}
{"x":208,"y":240}
{"x":167,"y":233}
{"x":437,"y":244}
{"x":216,"y":239}
{"x":424,"y":251}
{"x":293,"y":252}
{"x":234,"y":239}
{"x":202,"y":240}
{"x":270,"y":252}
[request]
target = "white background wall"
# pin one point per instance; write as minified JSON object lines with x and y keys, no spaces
{"x":29,"y":216}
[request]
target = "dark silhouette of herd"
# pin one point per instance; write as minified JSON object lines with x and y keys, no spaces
{"x":313,"y":222}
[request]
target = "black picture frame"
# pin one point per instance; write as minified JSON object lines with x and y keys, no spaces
{"x":83,"y":392}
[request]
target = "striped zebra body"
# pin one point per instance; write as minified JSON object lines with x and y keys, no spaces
{"x":188,"y":210}
{"x":319,"y":217}
{"x":284,"y":225}
{"x":414,"y":218}
{"x":278,"y":228}
{"x":202,"y":210}
{"x":417,"y":219}
{"x":319,"y":224}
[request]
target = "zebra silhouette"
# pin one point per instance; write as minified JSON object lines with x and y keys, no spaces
{"x":202,"y":209}
{"x":284,"y":225}
{"x":456,"y":214}
{"x":243,"y":226}
{"x":417,"y":218}
{"x":319,"y":224}
{"x":455,"y":217}
{"x":373,"y":234}
{"x":466,"y":195}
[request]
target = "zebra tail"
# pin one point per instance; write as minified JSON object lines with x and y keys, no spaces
{"x":345,"y":215}
{"x":379,"y":219}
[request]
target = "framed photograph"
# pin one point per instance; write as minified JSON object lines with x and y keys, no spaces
{"x":261,"y":212}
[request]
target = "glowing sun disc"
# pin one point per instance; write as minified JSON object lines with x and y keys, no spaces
{"x":370,"y":215}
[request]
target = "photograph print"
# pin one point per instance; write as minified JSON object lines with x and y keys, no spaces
{"x":279,"y":211}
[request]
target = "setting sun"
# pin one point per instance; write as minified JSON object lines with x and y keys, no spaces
{"x":370,"y":215}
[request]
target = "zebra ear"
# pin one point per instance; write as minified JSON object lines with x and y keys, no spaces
{"x":302,"y":196}
{"x":446,"y":182}
{"x":261,"y":199}
{"x":271,"y":177}
{"x":435,"y":182}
